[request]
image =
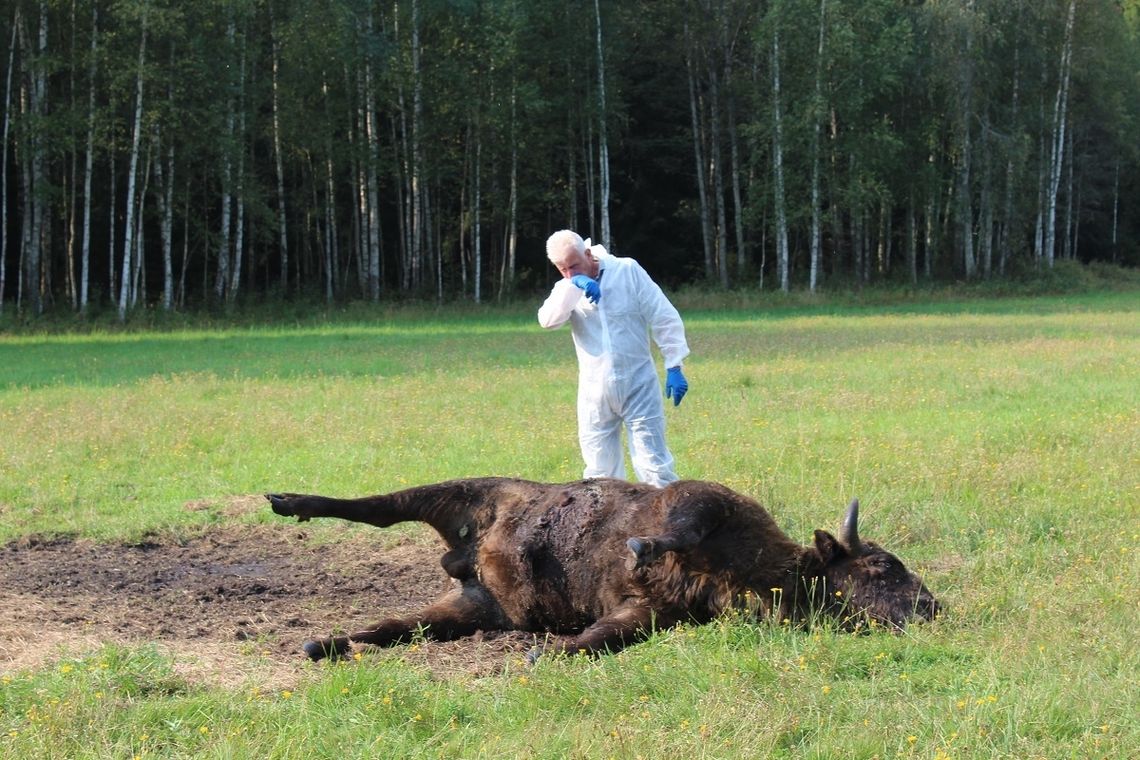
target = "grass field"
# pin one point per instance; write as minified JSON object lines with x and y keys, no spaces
{"x":993,"y":443}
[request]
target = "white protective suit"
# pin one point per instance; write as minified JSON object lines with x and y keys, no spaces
{"x":617,"y":380}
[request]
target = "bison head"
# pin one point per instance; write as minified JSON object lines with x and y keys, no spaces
{"x":863,"y":581}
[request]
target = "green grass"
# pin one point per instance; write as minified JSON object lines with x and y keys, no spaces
{"x":994,"y":444}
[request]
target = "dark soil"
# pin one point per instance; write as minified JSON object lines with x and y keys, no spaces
{"x":239,"y":593}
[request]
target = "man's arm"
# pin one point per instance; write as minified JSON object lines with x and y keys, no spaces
{"x":556,"y":310}
{"x":665,"y":323}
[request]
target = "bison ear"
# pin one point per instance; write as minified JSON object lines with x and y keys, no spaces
{"x":828,"y":546}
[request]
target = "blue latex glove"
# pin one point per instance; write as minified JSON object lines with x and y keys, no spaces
{"x":589,"y":285}
{"x":676,"y":386}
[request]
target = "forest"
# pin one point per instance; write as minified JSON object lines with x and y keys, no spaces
{"x":185,"y":154}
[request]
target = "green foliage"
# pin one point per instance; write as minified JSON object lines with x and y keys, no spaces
{"x":992,"y":443}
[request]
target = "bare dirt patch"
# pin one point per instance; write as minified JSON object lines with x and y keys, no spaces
{"x":241,"y":597}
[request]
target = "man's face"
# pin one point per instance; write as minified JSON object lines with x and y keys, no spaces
{"x":574,"y":262}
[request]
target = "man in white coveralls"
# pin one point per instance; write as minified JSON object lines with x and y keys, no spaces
{"x":613,"y":306}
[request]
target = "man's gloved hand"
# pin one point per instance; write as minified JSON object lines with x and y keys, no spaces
{"x":676,"y":386}
{"x":589,"y":285}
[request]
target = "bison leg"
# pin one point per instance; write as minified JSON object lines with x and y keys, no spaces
{"x":612,"y":633}
{"x":458,"y":613}
{"x":307,"y":506}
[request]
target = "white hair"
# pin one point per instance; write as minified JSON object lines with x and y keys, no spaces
{"x":557,"y":244}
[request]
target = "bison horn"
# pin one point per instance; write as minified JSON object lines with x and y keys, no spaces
{"x":849,"y":533}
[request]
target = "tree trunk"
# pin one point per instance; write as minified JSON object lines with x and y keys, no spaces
{"x":138,"y":281}
{"x":911,"y":242}
{"x":716,"y":173}
{"x":965,"y":194}
{"x":728,"y":46}
{"x":34,"y":248}
{"x":603,"y":145}
{"x":1007,"y":222}
{"x":986,"y":209}
{"x":371,"y":214}
{"x":85,"y":245}
{"x":330,"y":252}
{"x":223,"y":274}
{"x":513,"y":200}
{"x":816,"y":211}
{"x":282,"y":228}
{"x":415,"y":174}
{"x":782,"y":263}
{"x":239,"y":223}
{"x":132,"y":173}
{"x":4,"y":159}
{"x":476,"y":204}
{"x":180,"y":298}
{"x":1060,"y":111}
{"x":695,"y":112}
{"x":164,"y":180}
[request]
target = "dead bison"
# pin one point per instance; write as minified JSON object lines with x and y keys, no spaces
{"x":598,"y":563}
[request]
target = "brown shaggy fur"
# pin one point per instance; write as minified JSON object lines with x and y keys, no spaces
{"x":598,"y":563}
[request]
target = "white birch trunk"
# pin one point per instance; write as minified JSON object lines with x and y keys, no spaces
{"x":132,"y":173}
{"x":477,"y":202}
{"x":965,"y":196}
{"x":282,"y":228}
{"x":329,"y":248}
{"x":513,"y":201}
{"x":1060,"y":109}
{"x":417,"y":229}
{"x":73,"y":178}
{"x":85,"y":245}
{"x":138,"y":262}
{"x":4,"y":158}
{"x":371,"y":135}
{"x":717,"y":176}
{"x":239,"y":222}
{"x":782,"y":263}
{"x":223,"y":274}
{"x":164,"y":180}
{"x":112,"y":214}
{"x":816,"y":210}
{"x":603,"y":146}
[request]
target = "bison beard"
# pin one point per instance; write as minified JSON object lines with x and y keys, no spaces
{"x":599,"y":563}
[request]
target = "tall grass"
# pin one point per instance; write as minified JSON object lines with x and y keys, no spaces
{"x":994,"y":444}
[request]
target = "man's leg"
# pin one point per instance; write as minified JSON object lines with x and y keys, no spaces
{"x":599,"y":435}
{"x":652,"y":460}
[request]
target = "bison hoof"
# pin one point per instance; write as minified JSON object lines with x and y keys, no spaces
{"x":334,"y":649}
{"x":533,"y":655}
{"x":282,"y":505}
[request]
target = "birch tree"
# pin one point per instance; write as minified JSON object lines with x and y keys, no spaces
{"x":603,"y":140}
{"x":816,"y":115}
{"x":1057,"y":143}
{"x":126,"y":299}
{"x":88,"y":165}
{"x":780,"y":209}
{"x":4,"y":156}
{"x":278,"y":159}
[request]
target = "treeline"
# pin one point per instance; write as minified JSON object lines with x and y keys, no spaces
{"x":177,"y":153}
